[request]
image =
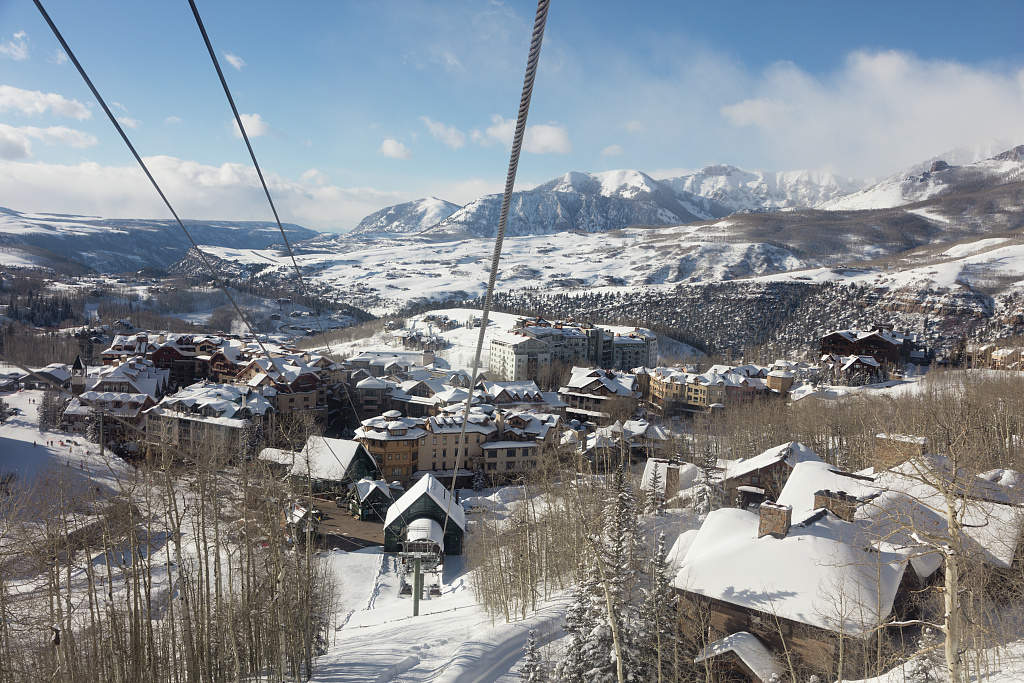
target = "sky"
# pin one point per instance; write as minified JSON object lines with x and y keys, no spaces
{"x":353,"y":106}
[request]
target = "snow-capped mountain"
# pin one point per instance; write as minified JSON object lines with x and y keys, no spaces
{"x":582,"y":202}
{"x":121,"y":244}
{"x":741,"y":190}
{"x":610,"y":200}
{"x":938,"y":179}
{"x":410,"y":217}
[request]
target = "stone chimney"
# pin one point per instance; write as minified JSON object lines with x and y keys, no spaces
{"x":839,"y":503}
{"x":775,"y":520}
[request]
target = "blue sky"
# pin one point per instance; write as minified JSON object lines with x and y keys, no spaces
{"x":362,"y":104}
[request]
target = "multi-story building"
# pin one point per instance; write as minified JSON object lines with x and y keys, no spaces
{"x":439,"y":450}
{"x":515,"y":356}
{"x":535,"y":344}
{"x":590,"y":391}
{"x":206,"y":418}
{"x":394,"y":442}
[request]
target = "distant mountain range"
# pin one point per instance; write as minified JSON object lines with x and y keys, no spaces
{"x":611,"y":200}
{"x":805,"y":217}
{"x":69,"y":243}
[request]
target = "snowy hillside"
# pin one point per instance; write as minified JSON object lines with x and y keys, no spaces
{"x":740,"y":190}
{"x":940,"y":178}
{"x":410,"y":217}
{"x":117,"y":245}
{"x":398,"y":273}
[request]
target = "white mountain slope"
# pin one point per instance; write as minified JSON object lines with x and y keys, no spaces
{"x":940,"y":178}
{"x":741,"y":190}
{"x":582,"y":202}
{"x":410,"y":217}
{"x":609,"y":200}
{"x":120,"y":244}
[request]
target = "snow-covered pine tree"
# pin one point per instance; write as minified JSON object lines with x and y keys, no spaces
{"x":615,"y":573}
{"x":656,"y":633}
{"x":653,"y":493}
{"x":92,"y":427}
{"x":532,"y":669}
{"x":579,"y":622}
{"x":479,"y":481}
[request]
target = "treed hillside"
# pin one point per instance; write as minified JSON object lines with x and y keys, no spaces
{"x":734,"y":318}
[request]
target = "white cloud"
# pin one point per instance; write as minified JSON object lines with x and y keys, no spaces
{"x":611,"y":151}
{"x":16,"y":142}
{"x":59,"y":57}
{"x":225,"y":192}
{"x":543,"y":138}
{"x":129,"y":122}
{"x":235,"y":61}
{"x":172,"y":120}
{"x":16,"y":48}
{"x":449,"y":135}
{"x":394,"y":149}
{"x":883,"y":107}
{"x":634,"y":126}
{"x":35,"y":102}
{"x":254,"y":124}
{"x":118,"y":105}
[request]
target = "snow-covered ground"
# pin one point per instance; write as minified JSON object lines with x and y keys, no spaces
{"x":417,"y":269}
{"x":376,"y":638}
{"x":35,"y":457}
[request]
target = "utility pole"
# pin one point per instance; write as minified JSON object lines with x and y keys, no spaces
{"x":416,"y":587}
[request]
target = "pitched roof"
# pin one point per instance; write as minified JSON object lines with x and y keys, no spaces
{"x":431,"y":487}
{"x":751,"y":651}
{"x":798,"y":577}
{"x":793,"y":452}
{"x":321,"y":458}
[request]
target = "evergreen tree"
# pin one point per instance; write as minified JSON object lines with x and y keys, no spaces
{"x":656,"y":632}
{"x":93,"y":427}
{"x":479,"y":481}
{"x":532,"y":669}
{"x":653,"y":498}
{"x":572,"y":668}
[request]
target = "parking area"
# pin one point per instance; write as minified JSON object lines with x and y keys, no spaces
{"x":338,"y":529}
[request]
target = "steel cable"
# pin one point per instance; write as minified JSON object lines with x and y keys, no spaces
{"x":536,"y":40}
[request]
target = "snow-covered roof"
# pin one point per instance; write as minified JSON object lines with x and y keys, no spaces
{"x":615,"y":381}
{"x":992,"y":516}
{"x":364,"y":487}
{"x":824,"y":572}
{"x":751,"y":651}
{"x":688,"y":473}
{"x":321,"y":458}
{"x":431,"y":487}
{"x":58,"y":371}
{"x":425,"y":529}
{"x":793,"y":452}
{"x":811,"y":476}
{"x":215,"y":400}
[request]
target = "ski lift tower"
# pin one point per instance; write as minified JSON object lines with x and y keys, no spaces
{"x":422,"y":551}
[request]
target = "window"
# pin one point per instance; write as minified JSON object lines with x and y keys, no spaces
{"x":510,"y":466}
{"x":492,"y":466}
{"x":510,"y":453}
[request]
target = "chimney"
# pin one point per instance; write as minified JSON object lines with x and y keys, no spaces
{"x":839,"y":503}
{"x":775,"y":520}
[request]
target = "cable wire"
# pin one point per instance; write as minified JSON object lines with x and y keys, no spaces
{"x":266,"y":191}
{"x":510,"y":179}
{"x":259,"y":172}
{"x":152,"y":180}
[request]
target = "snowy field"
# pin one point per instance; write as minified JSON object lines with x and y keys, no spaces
{"x":418,"y":269}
